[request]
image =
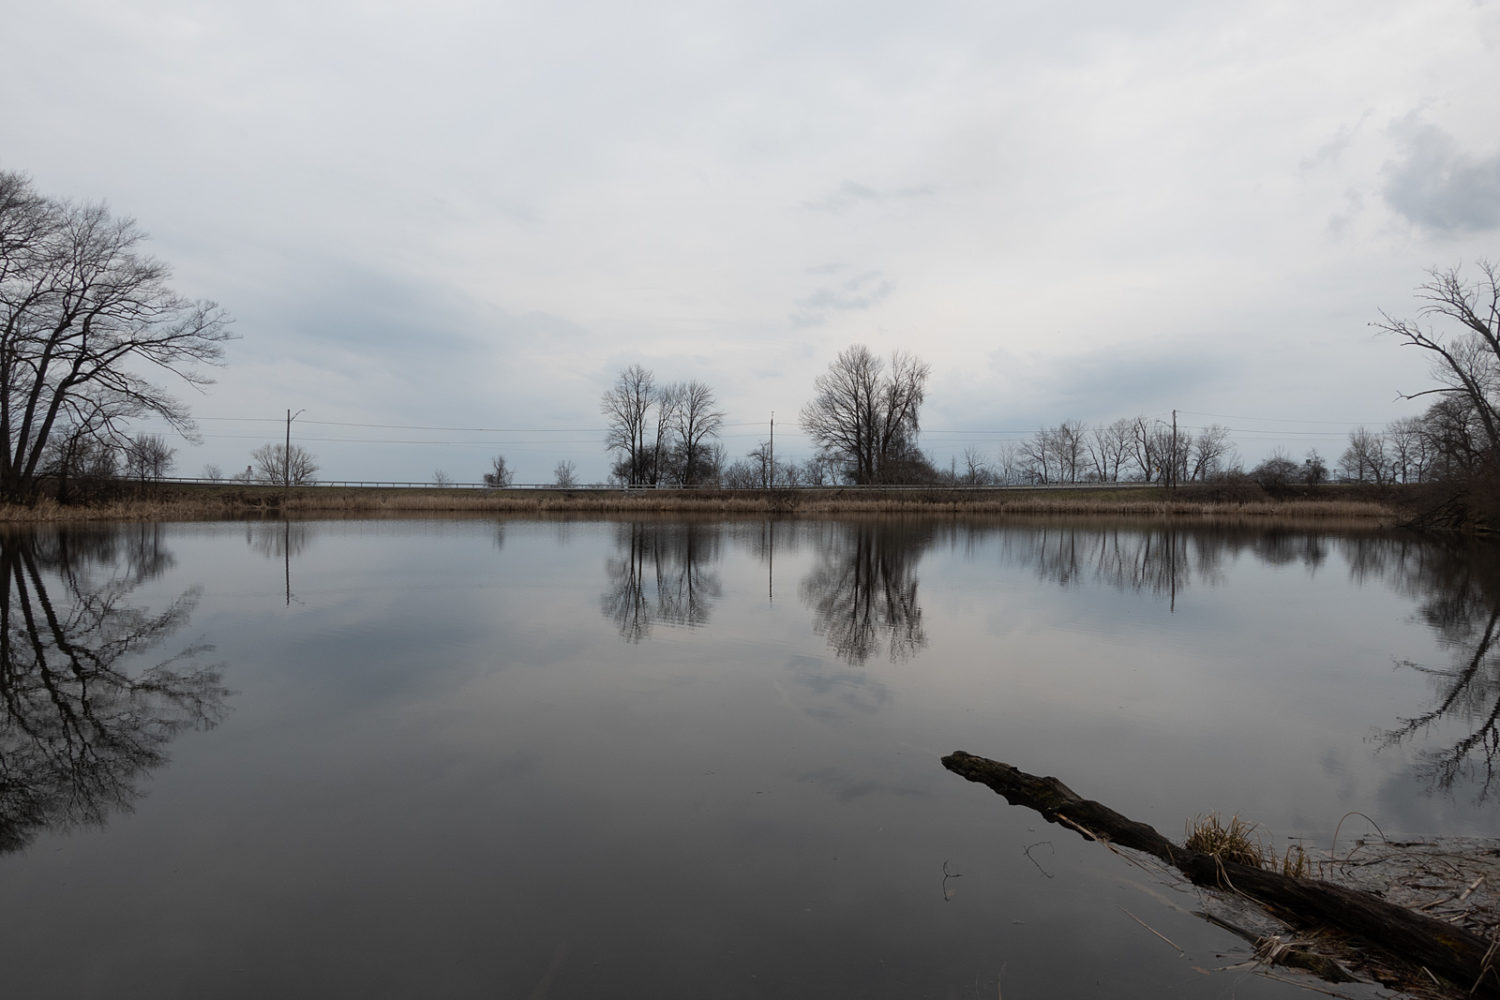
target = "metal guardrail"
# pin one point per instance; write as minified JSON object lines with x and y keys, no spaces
{"x":616,"y":488}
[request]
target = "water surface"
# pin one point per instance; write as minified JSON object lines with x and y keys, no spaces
{"x":693,"y":758}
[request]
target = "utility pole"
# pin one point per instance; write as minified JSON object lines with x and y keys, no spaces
{"x":772,"y":477}
{"x":286,"y":454}
{"x":1173,"y":480}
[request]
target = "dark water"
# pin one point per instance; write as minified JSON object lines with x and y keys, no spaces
{"x":590,"y":759}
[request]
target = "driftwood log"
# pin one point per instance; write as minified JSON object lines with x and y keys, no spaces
{"x":1455,"y":953}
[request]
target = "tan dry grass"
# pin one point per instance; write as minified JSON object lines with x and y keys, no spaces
{"x":187,"y":503}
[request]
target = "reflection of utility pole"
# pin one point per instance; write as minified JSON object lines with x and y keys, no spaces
{"x":771,"y":563}
{"x":286,"y":554}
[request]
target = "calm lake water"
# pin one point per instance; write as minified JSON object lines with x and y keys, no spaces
{"x":521,"y":758}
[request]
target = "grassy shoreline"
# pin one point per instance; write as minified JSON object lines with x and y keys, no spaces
{"x":234,"y":502}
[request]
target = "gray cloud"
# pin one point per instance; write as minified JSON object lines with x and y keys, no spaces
{"x":852,"y":194}
{"x":1338,"y":222}
{"x":862,"y":291}
{"x":1332,"y":150}
{"x":1435,"y":184}
{"x":1107,"y":383}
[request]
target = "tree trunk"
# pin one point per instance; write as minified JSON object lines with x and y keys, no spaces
{"x":1453,"y":952}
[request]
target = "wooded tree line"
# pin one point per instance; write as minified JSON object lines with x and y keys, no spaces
{"x":1129,"y":449}
{"x":864,"y":419}
{"x":1445,"y":442}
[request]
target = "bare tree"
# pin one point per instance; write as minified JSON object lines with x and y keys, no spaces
{"x":147,"y":456}
{"x":667,"y":398}
{"x":1207,"y":452}
{"x":77,"y":458}
{"x":565,"y":474}
{"x":83,"y":312}
{"x":976,"y":467}
{"x":1143,"y":450}
{"x":1406,"y":443}
{"x":1069,"y":447}
{"x":282,"y":466}
{"x":714,"y":459}
{"x":1456,"y":437}
{"x":1159,"y":454}
{"x":697,"y":422}
{"x":441,"y":478}
{"x":1364,"y":461}
{"x":1040,"y":455}
{"x":212,"y":473}
{"x":1465,"y":363}
{"x":1109,"y":450}
{"x":626,"y":405}
{"x":500,"y":475}
{"x":866,"y":419}
{"x":742,"y":475}
{"x":817,"y":471}
{"x":1009,"y":463}
{"x":761,"y":464}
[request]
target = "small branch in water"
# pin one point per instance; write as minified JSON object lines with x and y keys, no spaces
{"x":947,"y":895}
{"x":1333,"y":848}
{"x":1034,"y":861}
{"x":1153,"y":930}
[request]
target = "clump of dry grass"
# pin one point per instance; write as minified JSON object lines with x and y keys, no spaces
{"x":1237,"y":841}
{"x":1294,"y":863}
{"x":1233,"y":841}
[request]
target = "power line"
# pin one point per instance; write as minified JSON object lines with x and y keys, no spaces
{"x":351,"y":440}
{"x":1281,"y":420}
{"x":423,"y":427}
{"x":949,"y":436}
{"x":434,"y":427}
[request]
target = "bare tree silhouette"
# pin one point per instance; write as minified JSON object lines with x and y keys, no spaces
{"x":80,"y":720}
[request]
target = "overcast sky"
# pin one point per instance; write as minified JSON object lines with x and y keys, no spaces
{"x":474,"y":215}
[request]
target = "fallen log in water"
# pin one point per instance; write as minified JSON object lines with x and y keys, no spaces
{"x":1460,"y":956}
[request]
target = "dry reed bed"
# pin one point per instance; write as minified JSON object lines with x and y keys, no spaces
{"x":239,"y":503}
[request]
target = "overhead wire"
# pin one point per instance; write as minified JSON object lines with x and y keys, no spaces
{"x":788,"y":431}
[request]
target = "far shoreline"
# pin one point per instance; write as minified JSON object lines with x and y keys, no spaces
{"x":1236,"y":501}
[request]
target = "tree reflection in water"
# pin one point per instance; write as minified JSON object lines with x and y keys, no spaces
{"x":658,"y":574}
{"x":863,"y":592}
{"x":1457,"y":589}
{"x":82,"y":720}
{"x":277,"y":539}
{"x":1158,"y":559}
